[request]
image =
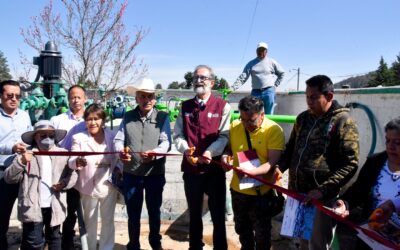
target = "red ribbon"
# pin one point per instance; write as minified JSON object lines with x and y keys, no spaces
{"x":82,"y":153}
{"x":300,"y":197}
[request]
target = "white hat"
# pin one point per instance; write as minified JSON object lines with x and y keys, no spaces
{"x":262,"y":45}
{"x":43,"y":125}
{"x":146,"y":85}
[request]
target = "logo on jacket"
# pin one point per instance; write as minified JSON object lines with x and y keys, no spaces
{"x":211,"y":115}
{"x":331,"y":129}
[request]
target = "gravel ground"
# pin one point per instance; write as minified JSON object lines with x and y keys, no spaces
{"x":175,"y":236}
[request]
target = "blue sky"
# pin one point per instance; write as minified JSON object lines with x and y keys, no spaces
{"x":337,"y":38}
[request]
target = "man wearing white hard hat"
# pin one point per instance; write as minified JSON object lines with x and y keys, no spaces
{"x":145,"y":130}
{"x":266,"y":74}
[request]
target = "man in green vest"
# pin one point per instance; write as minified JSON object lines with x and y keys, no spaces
{"x":145,"y":130}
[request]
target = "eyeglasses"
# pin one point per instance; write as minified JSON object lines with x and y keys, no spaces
{"x":201,"y":78}
{"x":11,"y":96}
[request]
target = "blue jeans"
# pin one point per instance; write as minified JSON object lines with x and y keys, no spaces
{"x":133,"y":193}
{"x":268,"y":97}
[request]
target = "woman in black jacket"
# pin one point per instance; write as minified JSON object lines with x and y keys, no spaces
{"x":378,"y":184}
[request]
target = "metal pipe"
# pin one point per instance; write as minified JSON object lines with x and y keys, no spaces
{"x":275,"y":118}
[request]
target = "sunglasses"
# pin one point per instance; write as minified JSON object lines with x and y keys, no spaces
{"x":46,"y":135}
{"x":11,"y":96}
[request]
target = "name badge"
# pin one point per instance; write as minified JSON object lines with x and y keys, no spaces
{"x":211,"y":115}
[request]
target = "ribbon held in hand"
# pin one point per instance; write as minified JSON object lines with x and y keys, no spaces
{"x":192,"y":159}
{"x":373,"y":220}
{"x":83,"y":153}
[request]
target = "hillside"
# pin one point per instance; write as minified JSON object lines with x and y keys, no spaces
{"x":355,"y":82}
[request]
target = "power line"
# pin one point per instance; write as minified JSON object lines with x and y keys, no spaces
{"x":287,"y":81}
{"x":250,"y":29}
{"x":306,"y":74}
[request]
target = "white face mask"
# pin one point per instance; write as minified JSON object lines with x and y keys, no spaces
{"x":46,"y":143}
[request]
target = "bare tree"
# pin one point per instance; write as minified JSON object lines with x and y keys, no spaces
{"x":94,"y":34}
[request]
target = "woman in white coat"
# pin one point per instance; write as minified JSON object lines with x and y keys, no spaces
{"x":93,"y":174}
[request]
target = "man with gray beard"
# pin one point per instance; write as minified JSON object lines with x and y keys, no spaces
{"x":201,"y":134}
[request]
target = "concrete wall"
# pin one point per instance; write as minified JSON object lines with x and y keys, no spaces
{"x":382,"y":103}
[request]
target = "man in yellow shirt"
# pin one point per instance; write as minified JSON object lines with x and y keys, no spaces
{"x":266,"y":138}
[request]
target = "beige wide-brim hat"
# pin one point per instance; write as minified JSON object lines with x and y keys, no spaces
{"x":43,"y":125}
{"x":146,"y":85}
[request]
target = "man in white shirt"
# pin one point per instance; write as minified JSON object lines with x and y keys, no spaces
{"x":76,"y":99}
{"x":67,"y":121}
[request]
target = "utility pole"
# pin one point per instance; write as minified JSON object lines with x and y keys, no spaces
{"x":298,"y":77}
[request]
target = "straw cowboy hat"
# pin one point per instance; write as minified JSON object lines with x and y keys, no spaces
{"x":43,"y":125}
{"x":146,"y":85}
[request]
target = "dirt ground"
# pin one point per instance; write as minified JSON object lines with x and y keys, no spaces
{"x":175,"y":236}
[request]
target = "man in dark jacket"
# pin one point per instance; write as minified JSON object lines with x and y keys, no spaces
{"x":321,"y":154}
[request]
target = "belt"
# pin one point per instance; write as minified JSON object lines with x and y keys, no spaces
{"x":265,"y":88}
